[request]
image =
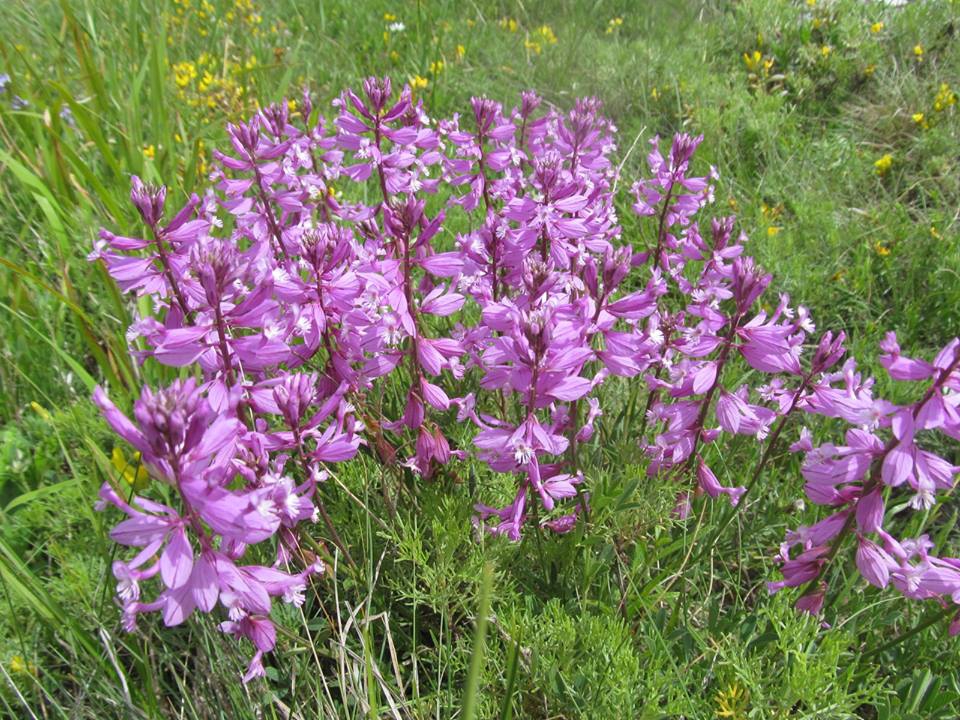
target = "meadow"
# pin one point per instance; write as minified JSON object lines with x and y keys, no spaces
{"x":833,"y":126}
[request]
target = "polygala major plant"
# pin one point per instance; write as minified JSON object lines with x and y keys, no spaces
{"x":332,"y":256}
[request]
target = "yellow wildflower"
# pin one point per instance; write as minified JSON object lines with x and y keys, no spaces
{"x":509,"y":24}
{"x":918,"y":52}
{"x":532,"y":46}
{"x":826,"y":50}
{"x":149,"y":152}
{"x":184,"y":73}
{"x":811,"y":3}
{"x":917,"y":117}
{"x":418,"y":82}
{"x":881,"y":249}
{"x":292,"y":105}
{"x":945,"y":98}
{"x":546,"y":32}
{"x":206,"y":81}
{"x":869,"y":69}
{"x":772,"y":230}
{"x":461,"y":51}
{"x":40,"y":410}
{"x":132,"y":471}
{"x":389,"y":17}
{"x":934,"y":233}
{"x":883,"y":165}
{"x":752,"y":61}
{"x":734,"y":701}
{"x":876,"y":27}
{"x":614,"y":24}
{"x":436,"y":67}
{"x":394,"y":56}
{"x":19,"y":666}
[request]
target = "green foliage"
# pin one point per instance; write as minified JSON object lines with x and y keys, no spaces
{"x":634,"y":614}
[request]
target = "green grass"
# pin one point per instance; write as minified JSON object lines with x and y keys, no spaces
{"x":632,"y":615}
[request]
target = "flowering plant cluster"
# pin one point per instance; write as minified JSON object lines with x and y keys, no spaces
{"x":336,"y":260}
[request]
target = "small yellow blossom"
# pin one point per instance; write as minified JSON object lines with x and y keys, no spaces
{"x":184,"y":73}
{"x":418,"y":82}
{"x":826,"y":50}
{"x":881,"y":249}
{"x":394,"y":56}
{"x":876,"y":27}
{"x":460,"y":52}
{"x":811,"y":3}
{"x":149,"y":152}
{"x":532,"y":46}
{"x":436,"y":67}
{"x":772,"y":230}
{"x":389,"y":17}
{"x":546,"y":34}
{"x":654,"y":93}
{"x":869,"y":69}
{"x":934,"y":233}
{"x":917,"y":117}
{"x":816,"y":23}
{"x":945,"y":98}
{"x":132,"y":471}
{"x":19,"y":666}
{"x":292,"y":105}
{"x":41,"y":411}
{"x":614,"y":25}
{"x":509,"y":24}
{"x":733,"y":702}
{"x":918,"y":52}
{"x":752,"y":60}
{"x":883,"y":164}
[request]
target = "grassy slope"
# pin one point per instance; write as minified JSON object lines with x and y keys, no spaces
{"x":617,"y":619}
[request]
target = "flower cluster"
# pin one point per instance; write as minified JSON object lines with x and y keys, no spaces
{"x":885,"y":452}
{"x":346,"y":281}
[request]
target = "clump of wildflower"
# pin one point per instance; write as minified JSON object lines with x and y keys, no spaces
{"x":312,"y":270}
